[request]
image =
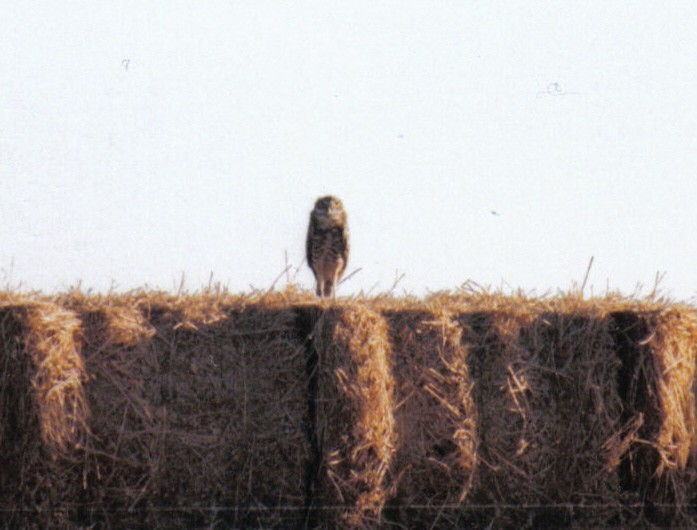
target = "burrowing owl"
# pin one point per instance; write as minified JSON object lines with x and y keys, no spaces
{"x":327,"y":243}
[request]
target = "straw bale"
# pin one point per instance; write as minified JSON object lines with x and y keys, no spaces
{"x":675,"y":351}
{"x":547,"y":401}
{"x":149,"y":410}
{"x":52,"y":342}
{"x":43,"y":415}
{"x":354,"y":423}
{"x":658,"y":469}
{"x":436,"y":418}
{"x":196,"y":422}
{"x":121,"y":460}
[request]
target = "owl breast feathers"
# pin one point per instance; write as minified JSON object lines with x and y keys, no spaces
{"x":327,"y":244}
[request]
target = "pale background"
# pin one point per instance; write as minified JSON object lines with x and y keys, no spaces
{"x":145,"y":141}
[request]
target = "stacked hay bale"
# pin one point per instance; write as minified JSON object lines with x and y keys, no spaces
{"x":44,"y":414}
{"x":147,"y":410}
{"x":354,"y":400}
{"x":436,"y":418}
{"x":657,"y":346}
{"x":675,"y":360}
{"x":505,"y":412}
{"x":197,"y":413}
{"x":547,"y":401}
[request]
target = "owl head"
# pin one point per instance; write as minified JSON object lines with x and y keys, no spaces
{"x":329,"y":212}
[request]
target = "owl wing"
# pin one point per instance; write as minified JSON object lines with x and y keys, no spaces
{"x":308,"y":243}
{"x":344,"y":248}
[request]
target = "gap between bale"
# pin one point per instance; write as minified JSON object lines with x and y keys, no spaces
{"x":306,"y":321}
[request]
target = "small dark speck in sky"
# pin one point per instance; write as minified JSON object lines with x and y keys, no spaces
{"x":554,"y":89}
{"x":125,"y":64}
{"x":497,"y":214}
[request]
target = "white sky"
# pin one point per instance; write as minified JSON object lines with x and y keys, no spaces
{"x":140,"y":141}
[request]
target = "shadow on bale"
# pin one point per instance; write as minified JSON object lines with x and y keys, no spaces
{"x":19,"y":423}
{"x":656,"y":382}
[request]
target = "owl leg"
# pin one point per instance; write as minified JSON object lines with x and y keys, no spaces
{"x":332,"y":286}
{"x":319,"y":288}
{"x":328,"y":288}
